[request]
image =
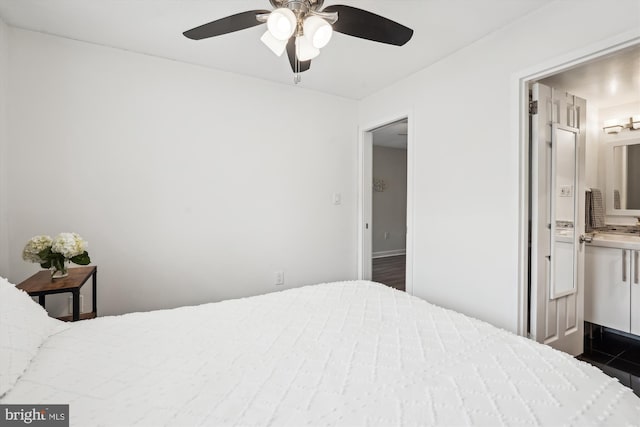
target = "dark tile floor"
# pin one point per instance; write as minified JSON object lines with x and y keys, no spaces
{"x":616,"y":355}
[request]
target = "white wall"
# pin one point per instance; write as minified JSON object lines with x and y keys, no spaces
{"x":592,"y":149}
{"x":466,"y":159}
{"x":390,"y":206}
{"x":4,"y":241}
{"x":191,"y":185}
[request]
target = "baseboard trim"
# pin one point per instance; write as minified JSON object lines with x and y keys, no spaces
{"x":385,"y":254}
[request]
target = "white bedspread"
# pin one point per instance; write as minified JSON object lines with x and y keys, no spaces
{"x":349,"y":353}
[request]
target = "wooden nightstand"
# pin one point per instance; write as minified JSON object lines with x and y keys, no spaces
{"x":41,"y":284}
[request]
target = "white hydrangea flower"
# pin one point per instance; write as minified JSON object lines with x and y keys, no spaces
{"x":35,"y":246}
{"x":69,"y":245}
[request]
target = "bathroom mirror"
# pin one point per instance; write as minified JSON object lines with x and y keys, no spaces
{"x":564,"y":210}
{"x":623,"y":178}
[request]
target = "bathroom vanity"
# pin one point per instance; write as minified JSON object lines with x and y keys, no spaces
{"x":612,"y":281}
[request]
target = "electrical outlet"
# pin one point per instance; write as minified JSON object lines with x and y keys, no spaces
{"x":279,"y":278}
{"x":386,"y":235}
{"x":70,"y":304}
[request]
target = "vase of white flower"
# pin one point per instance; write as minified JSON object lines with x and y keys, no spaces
{"x":54,"y":254}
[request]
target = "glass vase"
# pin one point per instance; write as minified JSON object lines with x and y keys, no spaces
{"x":57,"y":273}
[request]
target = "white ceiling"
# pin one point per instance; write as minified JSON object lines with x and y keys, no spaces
{"x":348,"y":66}
{"x":393,"y":135}
{"x":606,"y":82}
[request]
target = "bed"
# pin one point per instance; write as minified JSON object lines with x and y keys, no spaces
{"x":347,"y":353}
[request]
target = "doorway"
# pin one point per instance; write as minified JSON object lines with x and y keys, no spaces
{"x":385,"y":203}
{"x":600,"y":76}
{"x":389,"y":205}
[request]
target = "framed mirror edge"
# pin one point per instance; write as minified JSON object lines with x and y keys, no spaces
{"x":611,"y":142}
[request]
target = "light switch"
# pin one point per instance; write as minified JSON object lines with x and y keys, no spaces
{"x":565,"y":191}
{"x":337,"y":198}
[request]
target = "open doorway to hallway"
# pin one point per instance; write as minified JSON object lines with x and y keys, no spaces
{"x":389,"y":204}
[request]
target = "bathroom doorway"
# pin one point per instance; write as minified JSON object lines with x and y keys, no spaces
{"x":606,"y":79}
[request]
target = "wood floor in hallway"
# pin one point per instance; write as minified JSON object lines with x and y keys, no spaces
{"x":390,"y":271}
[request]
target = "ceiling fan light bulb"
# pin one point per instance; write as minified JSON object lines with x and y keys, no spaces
{"x":318,"y":31}
{"x":282,"y":23}
{"x":276,"y":46}
{"x":322,"y":37}
{"x":305,"y":50}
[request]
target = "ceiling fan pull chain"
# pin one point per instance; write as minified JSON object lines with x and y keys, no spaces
{"x":297,"y":78}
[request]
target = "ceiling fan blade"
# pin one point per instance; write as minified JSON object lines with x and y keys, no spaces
{"x":291,"y":53}
{"x":237,"y":22}
{"x":366,"y":25}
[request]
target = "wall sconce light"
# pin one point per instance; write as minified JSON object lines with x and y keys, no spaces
{"x":617,"y":125}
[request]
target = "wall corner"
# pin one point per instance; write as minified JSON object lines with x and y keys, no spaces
{"x":4,"y":149}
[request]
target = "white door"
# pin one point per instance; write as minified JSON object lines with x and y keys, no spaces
{"x":557,"y":218}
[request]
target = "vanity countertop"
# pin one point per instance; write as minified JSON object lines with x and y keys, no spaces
{"x":611,"y":240}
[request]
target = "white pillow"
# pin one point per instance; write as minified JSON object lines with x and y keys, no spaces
{"x":24,"y":326}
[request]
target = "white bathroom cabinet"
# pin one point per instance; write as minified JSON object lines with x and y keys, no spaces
{"x":612,"y":288}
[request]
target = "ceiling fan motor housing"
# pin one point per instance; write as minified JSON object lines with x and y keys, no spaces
{"x":302,"y":6}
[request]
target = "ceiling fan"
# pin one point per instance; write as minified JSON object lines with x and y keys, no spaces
{"x":302,"y":28}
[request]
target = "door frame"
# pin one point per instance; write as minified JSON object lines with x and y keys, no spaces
{"x":520,"y":115}
{"x":365,"y":208}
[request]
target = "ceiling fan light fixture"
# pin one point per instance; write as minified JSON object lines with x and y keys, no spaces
{"x":305,"y":50}
{"x":303,"y":27}
{"x":276,"y":46}
{"x":282,"y":23}
{"x":318,"y":31}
